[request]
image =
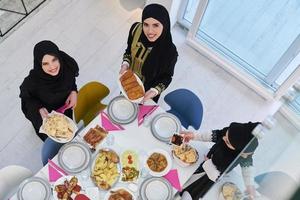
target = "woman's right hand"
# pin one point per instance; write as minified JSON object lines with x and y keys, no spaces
{"x":187,"y":135}
{"x":124,"y":67}
{"x":43,"y":112}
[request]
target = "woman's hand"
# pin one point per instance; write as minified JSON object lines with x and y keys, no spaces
{"x":43,"y":112}
{"x":124,"y":67}
{"x":148,"y":95}
{"x":187,"y":135}
{"x":71,"y":100}
{"x":250,"y":190}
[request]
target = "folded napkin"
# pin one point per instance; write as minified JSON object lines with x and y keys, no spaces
{"x":108,"y":125}
{"x":55,"y":172}
{"x":173,"y":178}
{"x":145,"y":110}
{"x":62,"y":109}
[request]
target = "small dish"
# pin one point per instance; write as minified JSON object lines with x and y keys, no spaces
{"x":166,"y":169}
{"x":109,"y":193}
{"x":164,"y":125}
{"x":121,"y":111}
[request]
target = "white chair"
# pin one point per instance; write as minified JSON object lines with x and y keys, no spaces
{"x":10,"y":178}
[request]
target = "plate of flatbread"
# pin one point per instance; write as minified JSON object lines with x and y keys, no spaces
{"x":58,"y":127}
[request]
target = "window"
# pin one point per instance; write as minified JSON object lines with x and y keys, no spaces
{"x":260,"y":38}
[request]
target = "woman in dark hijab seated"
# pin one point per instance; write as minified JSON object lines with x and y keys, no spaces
{"x":150,"y":53}
{"x":229,"y":142}
{"x":50,"y":84}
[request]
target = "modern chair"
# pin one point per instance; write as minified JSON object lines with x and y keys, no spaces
{"x":10,"y":178}
{"x":49,"y":150}
{"x":89,"y":101}
{"x":276,"y":184}
{"x":186,"y":106}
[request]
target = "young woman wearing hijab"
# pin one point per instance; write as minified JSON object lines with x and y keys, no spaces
{"x":229,"y":142}
{"x":49,"y":85}
{"x":150,"y":53}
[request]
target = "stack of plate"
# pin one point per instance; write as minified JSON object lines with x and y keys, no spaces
{"x":121,"y":110}
{"x":164,"y":125}
{"x":34,"y":188}
{"x":74,"y":157}
{"x":155,"y":188}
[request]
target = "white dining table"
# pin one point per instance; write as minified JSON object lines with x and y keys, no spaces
{"x":134,"y":137}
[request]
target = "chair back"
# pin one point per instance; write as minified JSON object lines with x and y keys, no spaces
{"x":186,"y":106}
{"x":10,"y":179}
{"x":89,"y":101}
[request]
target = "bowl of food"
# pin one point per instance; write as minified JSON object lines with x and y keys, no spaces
{"x":130,"y":166}
{"x":185,"y":155}
{"x":120,"y":193}
{"x":106,"y":169}
{"x":59,"y":127}
{"x":66,"y":187}
{"x":231,"y":192}
{"x":159,"y":162}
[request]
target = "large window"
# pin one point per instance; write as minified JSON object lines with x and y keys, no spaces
{"x":261,"y":38}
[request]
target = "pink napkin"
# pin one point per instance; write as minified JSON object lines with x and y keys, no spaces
{"x":172,"y":177}
{"x":108,"y":125}
{"x":145,"y":110}
{"x":62,"y":109}
{"x":55,"y":172}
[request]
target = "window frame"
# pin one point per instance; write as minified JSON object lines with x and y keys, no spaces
{"x":236,"y":71}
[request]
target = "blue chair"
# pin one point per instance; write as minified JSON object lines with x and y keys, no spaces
{"x":186,"y":106}
{"x":49,"y":150}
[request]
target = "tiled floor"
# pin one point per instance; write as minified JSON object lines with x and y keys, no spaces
{"x":94,"y":32}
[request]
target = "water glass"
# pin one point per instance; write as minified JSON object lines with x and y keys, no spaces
{"x":110,"y":139}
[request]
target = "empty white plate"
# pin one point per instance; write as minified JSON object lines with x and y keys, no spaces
{"x":34,"y":188}
{"x":164,"y":125}
{"x":74,"y":157}
{"x":121,"y":110}
{"x":156,"y":189}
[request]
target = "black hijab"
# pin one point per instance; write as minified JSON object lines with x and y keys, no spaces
{"x":239,"y":135}
{"x":46,"y":90}
{"x":163,"y":48}
{"x":67,"y":64}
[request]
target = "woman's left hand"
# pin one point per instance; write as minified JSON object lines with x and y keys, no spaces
{"x":72,"y":100}
{"x":148,"y":95}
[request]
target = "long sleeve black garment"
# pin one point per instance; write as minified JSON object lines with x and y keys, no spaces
{"x":35,"y":95}
{"x":161,"y":72}
{"x":40,"y":90}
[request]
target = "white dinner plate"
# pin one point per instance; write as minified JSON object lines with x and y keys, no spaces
{"x":169,"y":160}
{"x":61,"y":181}
{"x":121,"y":111}
{"x":34,"y":188}
{"x":155,"y":188}
{"x":124,"y":93}
{"x":164,"y":125}
{"x":107,"y":195}
{"x":74,"y":157}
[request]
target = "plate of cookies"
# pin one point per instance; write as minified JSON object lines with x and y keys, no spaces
{"x":131,"y":86}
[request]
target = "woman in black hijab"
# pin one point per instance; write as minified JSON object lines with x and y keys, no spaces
{"x":151,"y":53}
{"x":229,"y":143}
{"x":50,"y":84}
